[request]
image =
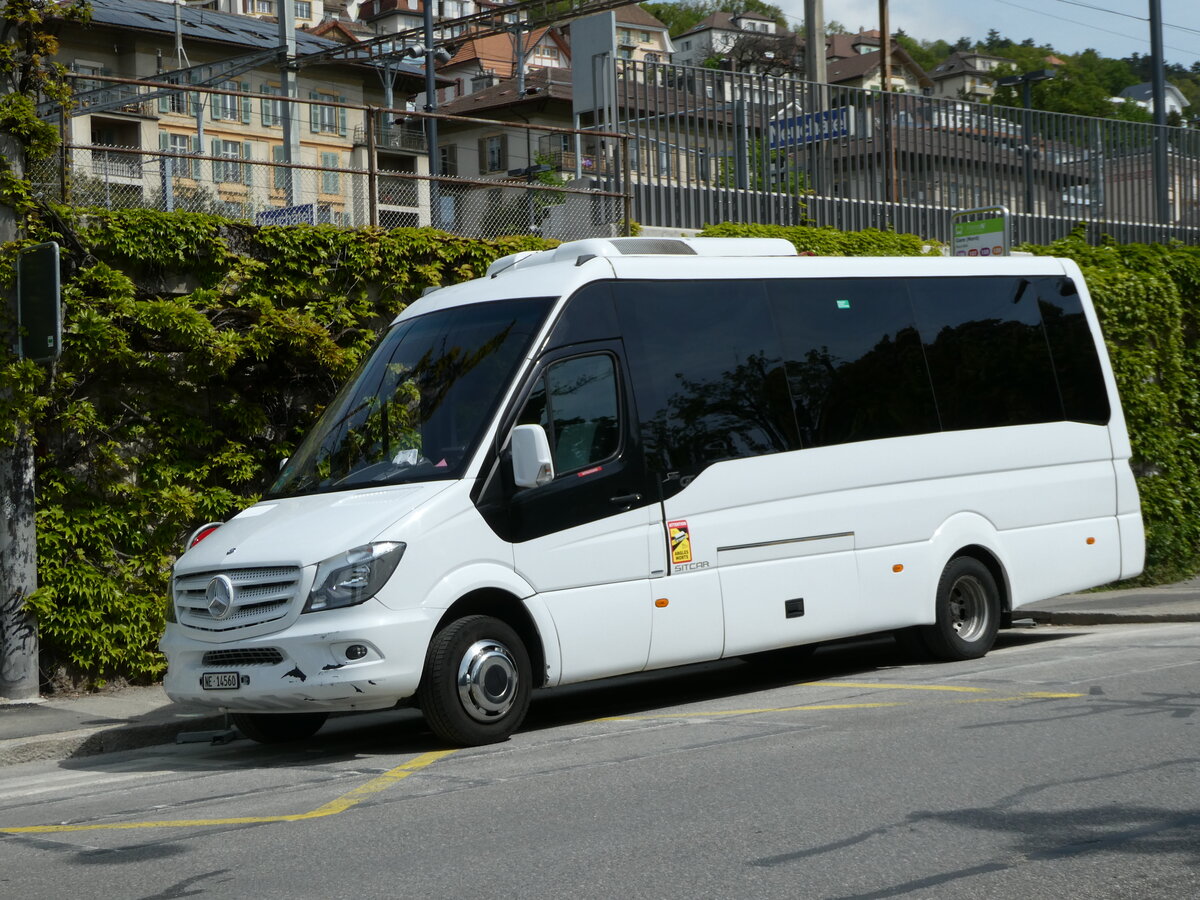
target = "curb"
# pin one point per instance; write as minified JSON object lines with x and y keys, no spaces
{"x":1052,"y":617}
{"x":94,"y":741}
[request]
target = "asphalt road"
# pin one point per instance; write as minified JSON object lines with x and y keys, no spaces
{"x":1065,"y":764}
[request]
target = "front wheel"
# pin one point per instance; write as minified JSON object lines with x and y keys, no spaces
{"x":477,"y":682}
{"x":968,"y":612}
{"x":278,"y":728}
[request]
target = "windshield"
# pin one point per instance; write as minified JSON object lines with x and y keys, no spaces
{"x":418,"y":405}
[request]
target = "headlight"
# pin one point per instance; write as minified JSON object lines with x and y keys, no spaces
{"x":354,"y":576}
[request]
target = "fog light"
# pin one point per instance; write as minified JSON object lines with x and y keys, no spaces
{"x":355,"y":651}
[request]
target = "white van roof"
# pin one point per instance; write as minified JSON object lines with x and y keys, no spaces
{"x":581,"y":251}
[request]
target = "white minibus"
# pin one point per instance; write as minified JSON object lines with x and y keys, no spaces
{"x":631,"y":453}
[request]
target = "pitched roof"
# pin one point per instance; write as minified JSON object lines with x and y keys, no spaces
{"x":633,"y":14}
{"x":859,"y":65}
{"x":962,"y":61}
{"x":494,"y":53}
{"x":845,"y":46}
{"x":199,"y":25}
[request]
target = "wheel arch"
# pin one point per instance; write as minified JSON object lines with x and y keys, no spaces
{"x":508,"y":608}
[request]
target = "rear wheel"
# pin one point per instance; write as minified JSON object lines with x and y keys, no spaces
{"x":278,"y":728}
{"x":477,"y":682}
{"x":968,"y":611}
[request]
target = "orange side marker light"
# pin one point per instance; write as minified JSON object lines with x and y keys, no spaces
{"x":661,"y":602}
{"x":897,"y":568}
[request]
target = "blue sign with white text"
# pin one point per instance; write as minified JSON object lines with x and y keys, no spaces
{"x":808,"y":128}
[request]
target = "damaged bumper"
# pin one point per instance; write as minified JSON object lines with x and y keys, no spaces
{"x":372,"y":660}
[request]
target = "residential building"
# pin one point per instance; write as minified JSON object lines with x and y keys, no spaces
{"x":133,"y":39}
{"x":1143,"y":96}
{"x":967,"y":75}
{"x":865,"y":70}
{"x":308,"y":12}
{"x":714,"y":37}
{"x":641,"y":36}
{"x":483,"y":62}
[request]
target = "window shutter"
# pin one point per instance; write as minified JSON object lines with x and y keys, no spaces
{"x":164,"y":103}
{"x":218,"y":165}
{"x":503,"y":166}
{"x":265,"y":107}
{"x":164,"y":141}
{"x":245,"y":101}
{"x":314,"y":113}
{"x":195,"y":162}
{"x":247,"y":171}
{"x":342,"y":117}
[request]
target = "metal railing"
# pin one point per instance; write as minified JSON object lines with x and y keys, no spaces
{"x":708,"y":145}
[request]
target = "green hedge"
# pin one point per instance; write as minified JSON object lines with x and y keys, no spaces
{"x":197,"y":351}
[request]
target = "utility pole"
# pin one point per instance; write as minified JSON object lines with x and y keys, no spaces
{"x":18,"y":538}
{"x":287,"y":82}
{"x":814,"y":43}
{"x":1158,"y":89}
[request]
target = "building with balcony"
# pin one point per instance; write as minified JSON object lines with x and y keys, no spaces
{"x":212,"y":136}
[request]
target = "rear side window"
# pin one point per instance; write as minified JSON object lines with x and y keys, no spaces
{"x":854,"y":359}
{"x":707,"y":368}
{"x":1073,"y":349}
{"x":987,"y":352}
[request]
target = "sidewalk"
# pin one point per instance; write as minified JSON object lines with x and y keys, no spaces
{"x":62,"y":727}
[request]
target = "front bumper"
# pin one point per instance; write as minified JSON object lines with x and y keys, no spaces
{"x":305,"y":667}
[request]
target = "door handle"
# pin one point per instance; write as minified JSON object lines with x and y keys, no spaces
{"x":625,"y":499}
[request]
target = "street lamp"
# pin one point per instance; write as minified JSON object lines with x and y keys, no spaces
{"x":1026,"y":81}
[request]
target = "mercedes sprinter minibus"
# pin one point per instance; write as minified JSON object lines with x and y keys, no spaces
{"x":626,"y":454}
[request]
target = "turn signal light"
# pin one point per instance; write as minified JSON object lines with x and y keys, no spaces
{"x":1091,"y":540}
{"x":661,"y":602}
{"x":897,"y":568}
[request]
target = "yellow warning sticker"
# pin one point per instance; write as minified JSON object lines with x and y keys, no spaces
{"x":681,"y":541}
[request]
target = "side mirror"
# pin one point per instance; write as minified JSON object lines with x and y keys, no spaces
{"x":531,"y":460}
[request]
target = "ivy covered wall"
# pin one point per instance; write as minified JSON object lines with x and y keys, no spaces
{"x":197,"y":351}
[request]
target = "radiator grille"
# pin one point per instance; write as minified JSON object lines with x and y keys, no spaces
{"x":259,"y":595}
{"x":251,"y":656}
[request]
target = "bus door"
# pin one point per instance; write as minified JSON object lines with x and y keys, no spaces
{"x":585,"y":540}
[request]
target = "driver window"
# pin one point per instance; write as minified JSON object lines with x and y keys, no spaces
{"x":575,"y":401}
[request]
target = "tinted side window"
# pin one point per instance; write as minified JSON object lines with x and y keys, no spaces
{"x":1076,"y":363}
{"x":576,"y":402}
{"x":589,"y":316}
{"x":707,"y":371}
{"x":987,"y":352}
{"x":854,"y":359}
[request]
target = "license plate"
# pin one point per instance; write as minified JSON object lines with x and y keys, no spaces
{"x":220,"y":681}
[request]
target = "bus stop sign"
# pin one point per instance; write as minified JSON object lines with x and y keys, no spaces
{"x":39,"y":306}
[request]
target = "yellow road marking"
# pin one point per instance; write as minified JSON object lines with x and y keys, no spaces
{"x":952,"y":688}
{"x":707,"y":714}
{"x":332,"y":808}
{"x":745,"y":712}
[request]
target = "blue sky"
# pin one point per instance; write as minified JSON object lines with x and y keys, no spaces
{"x":1115,"y":28}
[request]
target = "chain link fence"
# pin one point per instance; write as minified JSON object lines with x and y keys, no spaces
{"x":275,"y":194}
{"x":219,"y":153}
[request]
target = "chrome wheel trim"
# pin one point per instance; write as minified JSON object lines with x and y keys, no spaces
{"x":487,"y":680}
{"x":969,"y":608}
